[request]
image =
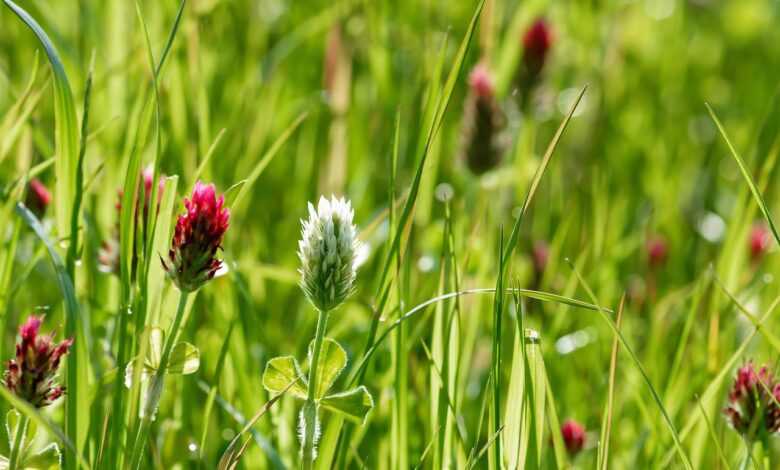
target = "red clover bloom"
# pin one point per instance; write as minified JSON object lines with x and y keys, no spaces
{"x":198,"y":236}
{"x":483,"y":121}
{"x":537,"y":41}
{"x":573,"y":436}
{"x":32,"y":374}
{"x":760,"y":240}
{"x":38,"y":197}
{"x":753,"y":407}
{"x":656,"y":251}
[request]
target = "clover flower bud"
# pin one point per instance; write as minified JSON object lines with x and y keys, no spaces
{"x":759,"y":241}
{"x":482,"y":142}
{"x":38,"y":197}
{"x":656,"y":251}
{"x":196,"y":239}
{"x":540,"y":254}
{"x":108,"y":253}
{"x":327,"y":251}
{"x":573,"y":436}
{"x":537,"y":41}
{"x":753,"y":402}
{"x":32,"y":374}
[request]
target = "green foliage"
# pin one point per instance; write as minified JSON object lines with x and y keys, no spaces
{"x":649,"y":120}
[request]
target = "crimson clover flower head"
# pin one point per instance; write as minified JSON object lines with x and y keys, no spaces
{"x":753,"y":402}
{"x":32,"y":374}
{"x":760,"y":240}
{"x":541,"y":254}
{"x":38,"y":197}
{"x":573,"y":436}
{"x":198,"y":235}
{"x":537,"y":42}
{"x":482,"y":141}
{"x":327,"y":251}
{"x":657,"y":249}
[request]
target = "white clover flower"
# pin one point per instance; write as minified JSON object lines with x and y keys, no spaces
{"x":328,"y":252}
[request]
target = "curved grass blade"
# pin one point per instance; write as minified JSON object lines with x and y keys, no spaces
{"x":746,"y":174}
{"x":66,"y":133}
{"x":533,"y":294}
{"x":640,"y":367}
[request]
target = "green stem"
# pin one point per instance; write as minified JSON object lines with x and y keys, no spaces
{"x":310,"y":407}
{"x":21,"y":430}
{"x":156,"y":384}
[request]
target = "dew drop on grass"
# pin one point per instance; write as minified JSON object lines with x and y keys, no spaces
{"x":426,"y":263}
{"x":711,"y":227}
{"x":444,"y":192}
{"x":573,"y":341}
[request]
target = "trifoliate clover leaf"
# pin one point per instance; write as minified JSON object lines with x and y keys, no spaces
{"x":333,"y":360}
{"x":280,"y":372}
{"x":353,"y":404}
{"x":47,"y":458}
{"x":184,"y":358}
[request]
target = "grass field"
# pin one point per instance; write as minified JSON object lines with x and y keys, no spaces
{"x":556,"y":246}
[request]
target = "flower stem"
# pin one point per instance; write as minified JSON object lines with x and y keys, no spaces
{"x":310,"y":407}
{"x":156,"y":384}
{"x":21,"y":430}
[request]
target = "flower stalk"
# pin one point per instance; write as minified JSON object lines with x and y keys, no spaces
{"x":309,"y":432}
{"x":156,"y":384}
{"x":21,"y":430}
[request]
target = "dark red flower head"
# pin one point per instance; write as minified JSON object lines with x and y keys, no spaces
{"x":198,"y":236}
{"x":753,"y":402}
{"x":573,"y":436}
{"x":760,"y":240}
{"x":483,"y":143}
{"x":537,"y":41}
{"x":38,"y":197}
{"x":32,"y":374}
{"x":656,"y":251}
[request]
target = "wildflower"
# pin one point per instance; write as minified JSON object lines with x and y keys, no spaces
{"x":573,"y":436}
{"x":541,"y":254}
{"x":482,"y":141}
{"x":32,"y":374}
{"x":537,"y":41}
{"x":108,"y":253}
{"x":759,"y":241}
{"x":198,"y":236}
{"x":753,"y":407}
{"x":38,"y":197}
{"x":327,"y":250}
{"x":656,"y":251}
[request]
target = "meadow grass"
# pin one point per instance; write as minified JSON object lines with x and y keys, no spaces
{"x":564,"y":214}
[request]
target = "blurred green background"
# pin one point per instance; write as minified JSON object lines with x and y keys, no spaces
{"x":641,"y":160}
